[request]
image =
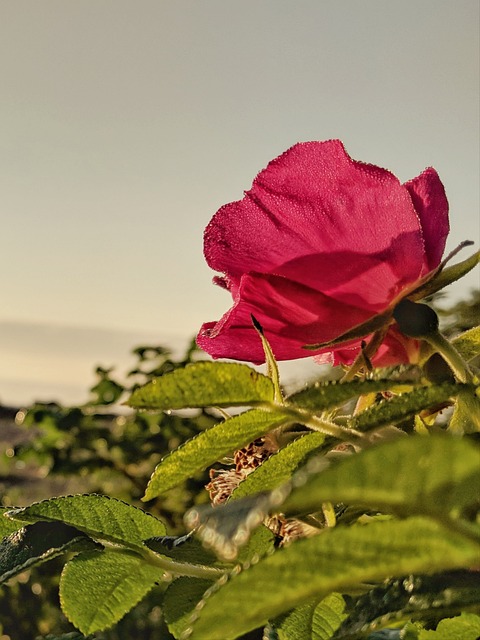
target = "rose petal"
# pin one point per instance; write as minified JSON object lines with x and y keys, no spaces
{"x":312,"y":200}
{"x":291,"y":314}
{"x":430,"y":202}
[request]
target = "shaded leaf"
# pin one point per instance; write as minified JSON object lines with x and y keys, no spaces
{"x":463,"y":627}
{"x":205,"y":384}
{"x":180,"y":600}
{"x":209,"y":446}
{"x":332,"y":561}
{"x":411,"y":474}
{"x":100,"y":517}
{"x":98,"y":588}
{"x":432,"y":596}
{"x":38,"y":543}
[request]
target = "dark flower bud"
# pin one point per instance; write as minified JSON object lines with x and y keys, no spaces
{"x":415,"y":320}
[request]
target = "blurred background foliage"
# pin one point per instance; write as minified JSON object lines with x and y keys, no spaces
{"x":101,"y":447}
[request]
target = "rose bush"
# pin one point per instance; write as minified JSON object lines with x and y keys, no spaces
{"x":318,"y":245}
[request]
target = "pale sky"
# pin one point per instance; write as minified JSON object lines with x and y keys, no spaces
{"x":125,"y":125}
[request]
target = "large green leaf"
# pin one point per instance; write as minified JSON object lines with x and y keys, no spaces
{"x":205,"y":384}
{"x":100,"y":517}
{"x":405,"y":405}
{"x":335,"y":560}
{"x":326,"y":395}
{"x":209,"y":446}
{"x":98,"y":588}
{"x":37,"y":543}
{"x":411,"y":474}
{"x":279,"y":467}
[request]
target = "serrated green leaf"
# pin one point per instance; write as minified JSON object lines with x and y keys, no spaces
{"x":463,"y":627}
{"x":327,"y":395}
{"x":278,"y":468}
{"x":415,"y":474}
{"x":314,"y":620}
{"x":332,"y":561}
{"x":100,"y":517}
{"x":297,"y":623}
{"x":7,"y":526}
{"x":180,"y":600}
{"x":328,"y":616}
{"x":205,"y":384}
{"x":38,"y":543}
{"x":209,"y":446}
{"x":98,"y":588}
{"x":405,"y":405}
{"x":468,"y":343}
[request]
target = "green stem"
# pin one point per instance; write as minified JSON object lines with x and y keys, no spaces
{"x":450,"y":355}
{"x":315,"y":423}
{"x":181,"y":568}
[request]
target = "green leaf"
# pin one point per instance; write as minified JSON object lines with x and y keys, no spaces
{"x":38,"y":543}
{"x":100,"y":517}
{"x":209,"y":446}
{"x":332,"y":561}
{"x":98,"y":588}
{"x":297,"y":623}
{"x":180,"y":600}
{"x":315,"y":620}
{"x":415,"y":474}
{"x":327,"y":395}
{"x":463,"y":627}
{"x":205,"y":384}
{"x":279,"y":467}
{"x":7,"y":526}
{"x":466,"y":413}
{"x":328,"y":616}
{"x":468,"y":343}
{"x":405,"y":405}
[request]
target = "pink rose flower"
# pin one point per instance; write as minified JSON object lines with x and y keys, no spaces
{"x":320,"y":244}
